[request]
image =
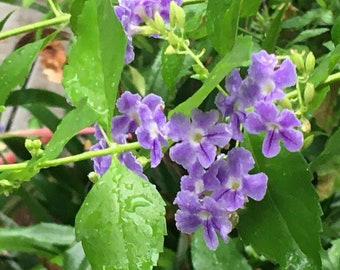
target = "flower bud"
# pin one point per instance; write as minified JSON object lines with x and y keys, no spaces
{"x":94,"y":177}
{"x":310,"y":63}
{"x":305,"y":125}
{"x":297,"y":60}
{"x":173,"y":39}
{"x":285,"y":103}
{"x":308,"y":141}
{"x":177,"y":15}
{"x":309,"y":93}
{"x":159,"y":23}
{"x":29,"y":145}
{"x":170,"y":50}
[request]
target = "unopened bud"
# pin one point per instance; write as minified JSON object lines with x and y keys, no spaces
{"x":177,"y":15}
{"x":159,"y":23}
{"x":94,"y":177}
{"x":297,"y":60}
{"x":173,"y":39}
{"x":170,"y":50}
{"x":308,"y":141}
{"x":36,"y":144}
{"x":309,"y":93}
{"x":285,"y":103}
{"x":310,"y":63}
{"x":305,"y":125}
{"x":29,"y":145}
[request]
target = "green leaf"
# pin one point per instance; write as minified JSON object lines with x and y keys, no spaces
{"x":75,"y":259}
{"x":171,"y":67}
{"x":331,"y":151}
{"x":34,"y":96}
{"x":16,"y":66}
{"x":336,"y":31}
{"x":331,"y":260}
{"x":289,"y":213}
{"x":74,"y":121}
{"x":239,"y":56}
{"x":250,"y":7}
{"x":121,"y":223}
{"x":4,"y":20}
{"x":27,"y":3}
{"x":320,"y":74}
{"x":306,"y":34}
{"x":222,"y":23}
{"x":226,"y":256}
{"x":273,"y":33}
{"x":45,"y":239}
{"x":96,"y":59}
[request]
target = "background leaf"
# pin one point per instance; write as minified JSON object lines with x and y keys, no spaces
{"x":289,"y":213}
{"x":226,"y":256}
{"x":46,"y":239}
{"x":121,"y":222}
{"x":336,"y":31}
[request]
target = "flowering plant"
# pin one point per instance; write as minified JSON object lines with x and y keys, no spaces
{"x":208,"y":147}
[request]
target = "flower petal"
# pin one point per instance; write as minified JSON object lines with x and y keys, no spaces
{"x":271,"y":145}
{"x":183,"y":154}
{"x":285,"y":76}
{"x":187,"y":222}
{"x":254,"y":123}
{"x":219,"y":135}
{"x":210,"y":235}
{"x":178,"y":127}
{"x":206,"y":154}
{"x":255,"y":186}
{"x":288,"y":119}
{"x":292,"y":139}
{"x":204,"y":120}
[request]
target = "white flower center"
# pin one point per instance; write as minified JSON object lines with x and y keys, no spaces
{"x":234,"y":183}
{"x":204,"y":215}
{"x":196,"y":136}
{"x":199,"y":186}
{"x":267,"y":86}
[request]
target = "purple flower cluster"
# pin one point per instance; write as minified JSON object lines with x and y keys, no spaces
{"x":146,"y":119}
{"x":260,"y":89}
{"x":131,"y":13}
{"x":216,"y":185}
{"x":209,"y":196}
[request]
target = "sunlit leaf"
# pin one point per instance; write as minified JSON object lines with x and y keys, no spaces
{"x":121,"y":223}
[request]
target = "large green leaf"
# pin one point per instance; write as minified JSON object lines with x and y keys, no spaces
{"x":239,"y":56}
{"x":45,"y":239}
{"x":222,"y":23}
{"x":226,"y":256}
{"x":14,"y":69}
{"x":121,"y":223}
{"x":336,"y":31}
{"x":96,"y":59}
{"x":250,"y":7}
{"x":285,"y":225}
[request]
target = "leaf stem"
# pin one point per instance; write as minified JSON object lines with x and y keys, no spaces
{"x":114,"y":149}
{"x":331,"y":78}
{"x":63,"y":18}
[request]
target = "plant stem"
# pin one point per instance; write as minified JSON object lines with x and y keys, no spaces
{"x":114,"y":149}
{"x":64,"y":18}
{"x":54,"y":8}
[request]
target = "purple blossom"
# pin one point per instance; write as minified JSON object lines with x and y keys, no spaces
{"x":130,"y":161}
{"x":197,"y":138}
{"x":194,"y":212}
{"x":102,"y":163}
{"x":231,"y":183}
{"x":131,"y":14}
{"x":230,"y":106}
{"x":194,"y":181}
{"x":265,"y":81}
{"x":277,"y":125}
{"x":144,"y":117}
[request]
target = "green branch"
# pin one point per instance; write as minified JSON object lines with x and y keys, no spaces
{"x":64,"y":18}
{"x":114,"y":149}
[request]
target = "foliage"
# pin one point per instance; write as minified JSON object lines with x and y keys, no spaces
{"x":130,"y":217}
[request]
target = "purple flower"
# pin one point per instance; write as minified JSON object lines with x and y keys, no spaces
{"x":144,"y":117}
{"x":194,"y":212}
{"x":102,"y":163}
{"x":230,"y":106}
{"x":265,"y":81}
{"x":278,"y":126}
{"x":231,"y":183}
{"x":131,"y":14}
{"x":197,"y":139}
{"x":151,"y":133}
{"x":194,"y":181}
{"x":130,"y":161}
